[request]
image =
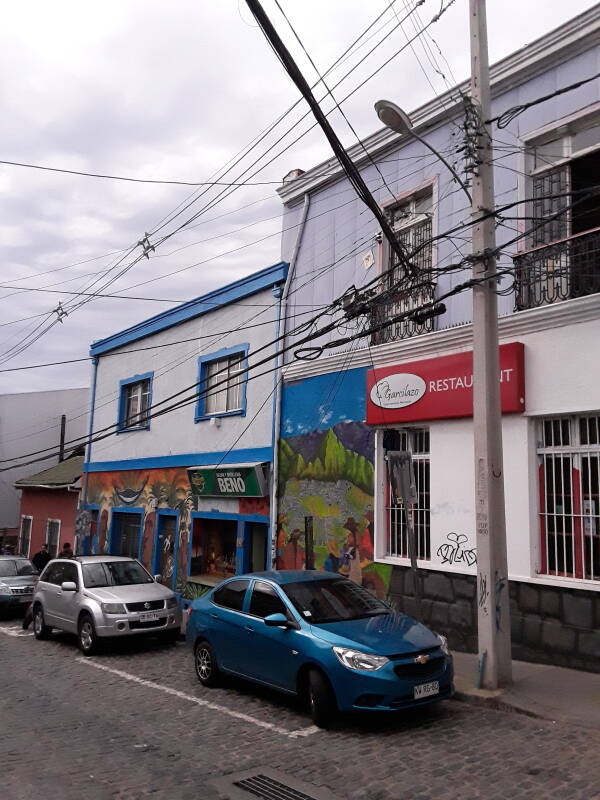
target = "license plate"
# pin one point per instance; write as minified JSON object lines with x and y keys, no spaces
{"x":427,"y":689}
{"x":148,"y":617}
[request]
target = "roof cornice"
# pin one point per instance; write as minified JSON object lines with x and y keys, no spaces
{"x":560,"y":44}
{"x":206,"y":304}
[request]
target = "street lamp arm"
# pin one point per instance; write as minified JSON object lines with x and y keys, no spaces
{"x":449,"y":166}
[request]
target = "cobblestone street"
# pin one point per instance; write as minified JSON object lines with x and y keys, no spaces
{"x":134,"y":722}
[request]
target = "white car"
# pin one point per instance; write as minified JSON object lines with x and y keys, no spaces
{"x":103,"y":597}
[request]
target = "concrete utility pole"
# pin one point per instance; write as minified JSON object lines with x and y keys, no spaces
{"x":492,"y":569}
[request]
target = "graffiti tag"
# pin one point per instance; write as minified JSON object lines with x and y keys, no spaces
{"x":483,"y":591}
{"x":453,"y":552}
{"x":499,"y":587}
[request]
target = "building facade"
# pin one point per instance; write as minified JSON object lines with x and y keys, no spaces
{"x":182,"y":477}
{"x":30,"y":422}
{"x":407,"y":386}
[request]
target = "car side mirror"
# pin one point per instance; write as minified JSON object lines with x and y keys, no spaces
{"x":157,"y":578}
{"x":276,"y":621}
{"x":69,"y":586}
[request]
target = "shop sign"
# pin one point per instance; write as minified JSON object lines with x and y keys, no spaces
{"x":440,"y":388}
{"x":228,"y":481}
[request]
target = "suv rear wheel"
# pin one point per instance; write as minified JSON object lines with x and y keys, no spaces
{"x":86,"y":635}
{"x":40,"y":630}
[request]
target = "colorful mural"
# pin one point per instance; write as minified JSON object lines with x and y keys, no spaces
{"x":328,"y":475}
{"x":151,"y":490}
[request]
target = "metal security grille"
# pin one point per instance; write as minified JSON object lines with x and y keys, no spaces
{"x":415,"y":441}
{"x":569,"y":464}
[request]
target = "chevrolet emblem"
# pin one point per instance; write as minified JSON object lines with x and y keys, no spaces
{"x":422,"y":659}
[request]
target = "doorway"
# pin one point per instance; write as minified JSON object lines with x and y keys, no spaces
{"x":125,"y":537}
{"x":256,"y":535}
{"x":164,"y":548}
{"x":214,"y":545}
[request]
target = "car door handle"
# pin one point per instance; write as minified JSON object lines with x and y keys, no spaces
{"x":215,"y":616}
{"x":249,"y":629}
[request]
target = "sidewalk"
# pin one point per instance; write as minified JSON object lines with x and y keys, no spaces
{"x":540,"y":690}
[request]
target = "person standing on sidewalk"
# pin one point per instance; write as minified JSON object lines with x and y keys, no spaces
{"x":41,"y":558}
{"x":67,"y":551}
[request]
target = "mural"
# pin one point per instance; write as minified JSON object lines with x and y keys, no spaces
{"x":328,"y":475}
{"x":151,"y":490}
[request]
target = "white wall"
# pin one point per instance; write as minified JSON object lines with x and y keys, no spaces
{"x":560,"y":377}
{"x":176,"y":368}
{"x":30,"y":421}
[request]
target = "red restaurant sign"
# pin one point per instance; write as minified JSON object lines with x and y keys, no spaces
{"x":440,"y":388}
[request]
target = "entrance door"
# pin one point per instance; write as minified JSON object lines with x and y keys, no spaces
{"x":164,"y":548}
{"x":257,"y":536}
{"x":125,"y":539}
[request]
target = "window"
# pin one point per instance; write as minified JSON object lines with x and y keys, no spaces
{"x":415,"y":441}
{"x":25,"y":536}
{"x":53,"y":573}
{"x":565,"y":225}
{"x":69,"y":573}
{"x":53,"y":536}
{"x":231,"y":595}
{"x":266,"y":601}
{"x":333,"y":600}
{"x":222,"y":383}
{"x":411,"y":221}
{"x":135,"y":402}
{"x":98,"y":575}
{"x":569,"y":467}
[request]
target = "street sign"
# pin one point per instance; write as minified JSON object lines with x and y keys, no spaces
{"x":402,"y":476}
{"x":237,"y":480}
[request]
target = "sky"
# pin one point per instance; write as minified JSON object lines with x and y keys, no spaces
{"x":153,"y":89}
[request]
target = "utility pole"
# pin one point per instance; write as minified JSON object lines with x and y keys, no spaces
{"x":492,"y":570}
{"x":61,"y":446}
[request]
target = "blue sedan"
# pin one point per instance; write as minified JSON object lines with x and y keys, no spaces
{"x":320,"y":636}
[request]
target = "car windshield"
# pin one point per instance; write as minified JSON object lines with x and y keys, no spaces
{"x":333,"y":600}
{"x":114,"y":573}
{"x":18,"y":567}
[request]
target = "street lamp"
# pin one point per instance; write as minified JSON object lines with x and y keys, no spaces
{"x":396,"y":119}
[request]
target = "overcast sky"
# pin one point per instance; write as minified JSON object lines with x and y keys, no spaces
{"x":173,"y":91}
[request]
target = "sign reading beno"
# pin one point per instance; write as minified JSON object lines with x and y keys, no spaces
{"x":398,"y":390}
{"x":236,"y":480}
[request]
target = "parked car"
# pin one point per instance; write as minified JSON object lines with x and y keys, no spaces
{"x":102,"y":597}
{"x":321,"y":636}
{"x":17,"y":581}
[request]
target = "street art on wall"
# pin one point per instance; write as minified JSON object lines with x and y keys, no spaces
{"x":329,"y":475}
{"x":151,"y":490}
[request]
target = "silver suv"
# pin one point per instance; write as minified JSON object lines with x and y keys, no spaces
{"x":97,"y":597}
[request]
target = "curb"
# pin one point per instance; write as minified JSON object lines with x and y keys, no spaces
{"x":497,"y":704}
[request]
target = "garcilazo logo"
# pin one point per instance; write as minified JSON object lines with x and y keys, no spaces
{"x":398,"y":391}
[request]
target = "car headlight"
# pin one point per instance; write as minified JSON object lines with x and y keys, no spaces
{"x":113,"y":608}
{"x":172,"y":602}
{"x":354,"y":659}
{"x":444,"y":644}
{"x":4,"y":589}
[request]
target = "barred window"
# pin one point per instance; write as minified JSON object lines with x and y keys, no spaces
{"x":569,"y":474}
{"x":415,"y":441}
{"x":25,"y":536}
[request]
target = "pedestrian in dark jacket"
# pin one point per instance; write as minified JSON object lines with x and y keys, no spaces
{"x":41,"y":558}
{"x":67,"y":551}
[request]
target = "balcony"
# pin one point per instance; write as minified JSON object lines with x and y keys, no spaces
{"x":558,"y":271}
{"x":399,"y":303}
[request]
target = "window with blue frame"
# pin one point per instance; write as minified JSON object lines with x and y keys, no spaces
{"x":222,"y":383}
{"x":135,"y":402}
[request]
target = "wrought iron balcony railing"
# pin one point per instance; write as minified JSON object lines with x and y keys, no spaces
{"x":395,"y":304}
{"x":558,"y":271}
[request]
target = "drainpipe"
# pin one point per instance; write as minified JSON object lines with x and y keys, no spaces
{"x":88,"y":447}
{"x":276,"y":429}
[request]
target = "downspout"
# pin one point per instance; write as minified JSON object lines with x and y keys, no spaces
{"x":278,"y":379}
{"x":88,"y":447}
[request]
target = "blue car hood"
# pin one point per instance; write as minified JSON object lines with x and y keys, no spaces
{"x":386,"y":635}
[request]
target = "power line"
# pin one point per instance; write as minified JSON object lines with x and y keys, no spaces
{"x":136,"y":180}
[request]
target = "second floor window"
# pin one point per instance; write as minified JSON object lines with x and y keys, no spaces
{"x":222,"y":384}
{"x":411,"y":221}
{"x":560,"y":260}
{"x":135,"y":402}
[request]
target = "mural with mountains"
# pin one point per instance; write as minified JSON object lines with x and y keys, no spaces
{"x":328,"y":476}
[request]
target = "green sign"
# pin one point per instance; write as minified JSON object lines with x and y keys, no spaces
{"x":232,"y":481}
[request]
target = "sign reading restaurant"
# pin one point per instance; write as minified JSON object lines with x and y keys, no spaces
{"x":237,"y":480}
{"x":440,"y":388}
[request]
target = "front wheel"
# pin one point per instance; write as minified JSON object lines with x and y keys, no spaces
{"x":321,"y":700}
{"x":86,"y":636}
{"x":205,"y":665}
{"x":40,"y":630}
